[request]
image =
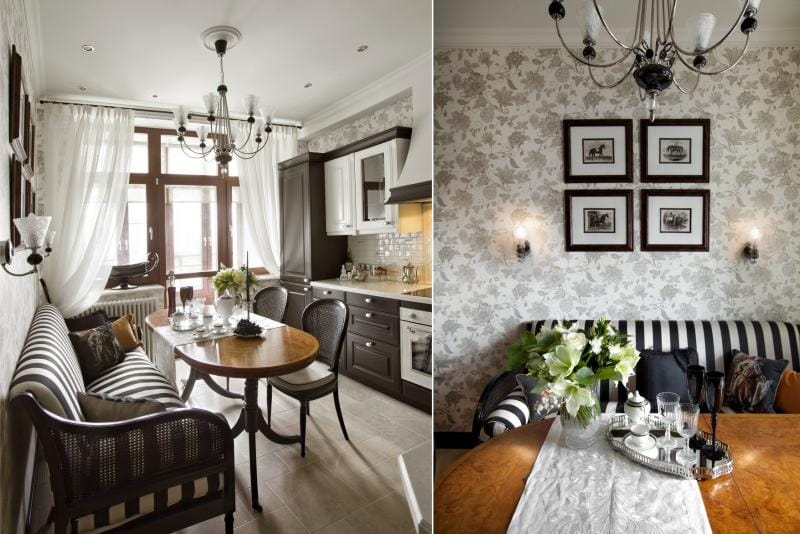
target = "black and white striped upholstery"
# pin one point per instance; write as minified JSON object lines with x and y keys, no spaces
{"x":510,"y":413}
{"x":715,"y":342}
{"x":48,"y":367}
{"x":137,"y":377}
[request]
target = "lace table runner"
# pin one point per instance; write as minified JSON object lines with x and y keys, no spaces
{"x":166,"y":339}
{"x":598,"y":490}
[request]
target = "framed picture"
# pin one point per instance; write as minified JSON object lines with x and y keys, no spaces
{"x":16,"y":107}
{"x":675,"y":150}
{"x":598,"y":151}
{"x":17,"y":199}
{"x":675,"y":220}
{"x":598,"y":220}
{"x":27,"y":168}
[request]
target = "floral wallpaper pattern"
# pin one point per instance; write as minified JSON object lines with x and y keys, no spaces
{"x":397,"y":113}
{"x":498,"y":164}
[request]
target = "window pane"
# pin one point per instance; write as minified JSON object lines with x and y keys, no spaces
{"x":241,"y":241}
{"x":132,"y":246}
{"x":175,"y":161}
{"x":191,"y":217}
{"x":233,"y":167}
{"x":139,"y":162}
{"x":203,"y":289}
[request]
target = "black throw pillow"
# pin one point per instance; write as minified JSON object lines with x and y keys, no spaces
{"x":659,"y":371}
{"x":87,"y":322}
{"x":540,"y":404}
{"x":97,"y":350}
{"x":752,"y":383}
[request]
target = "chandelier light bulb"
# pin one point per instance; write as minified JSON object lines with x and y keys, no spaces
{"x":591,"y":28}
{"x":520,"y":234}
{"x":704,"y":26}
{"x":755,"y":234}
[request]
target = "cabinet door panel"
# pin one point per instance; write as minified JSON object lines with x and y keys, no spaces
{"x":376,"y":171}
{"x":375,"y":325}
{"x":373,"y":363}
{"x":294,"y":220}
{"x":339,"y":215}
{"x":299,"y":298}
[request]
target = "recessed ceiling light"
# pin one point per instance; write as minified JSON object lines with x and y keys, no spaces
{"x":307,"y":85}
{"x":87,"y":48}
{"x":155,"y":96}
{"x":361,"y":48}
{"x":82,"y":87}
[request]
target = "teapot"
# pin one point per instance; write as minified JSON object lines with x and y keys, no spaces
{"x":637,"y":408}
{"x":409,"y":274}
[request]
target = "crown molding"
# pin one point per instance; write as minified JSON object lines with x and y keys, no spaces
{"x":547,"y":38}
{"x":393,"y":86}
{"x":36,"y":48}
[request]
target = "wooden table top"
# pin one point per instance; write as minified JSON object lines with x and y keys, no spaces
{"x":479,"y":492}
{"x":281,"y":351}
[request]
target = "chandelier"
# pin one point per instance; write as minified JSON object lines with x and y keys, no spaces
{"x":654,"y":49}
{"x":218,"y":137}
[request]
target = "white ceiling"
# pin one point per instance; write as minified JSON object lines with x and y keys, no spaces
{"x":147,"y":47}
{"x":527,"y":23}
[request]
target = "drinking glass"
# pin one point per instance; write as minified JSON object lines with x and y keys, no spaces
{"x":695,"y":383}
{"x":715,"y":395}
{"x":667,"y":401}
{"x":686,"y":416}
{"x":187,"y":294}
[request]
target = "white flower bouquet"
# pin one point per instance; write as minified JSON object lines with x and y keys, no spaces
{"x":571,"y":362}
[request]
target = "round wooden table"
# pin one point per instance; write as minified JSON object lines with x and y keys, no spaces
{"x":279,"y":351}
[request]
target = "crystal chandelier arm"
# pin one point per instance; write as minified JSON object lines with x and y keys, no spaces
{"x":608,"y":30}
{"x":687,"y":91}
{"x":715,"y":45}
{"x":581,"y":60}
{"x":605,"y":86}
{"x":720,"y":71}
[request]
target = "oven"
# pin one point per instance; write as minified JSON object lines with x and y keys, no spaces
{"x":416,"y":347}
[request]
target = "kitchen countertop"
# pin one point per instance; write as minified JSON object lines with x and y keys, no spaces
{"x":392,"y":290}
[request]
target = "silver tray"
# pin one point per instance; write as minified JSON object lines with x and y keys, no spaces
{"x":654,"y":458}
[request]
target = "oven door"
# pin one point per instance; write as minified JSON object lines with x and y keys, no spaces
{"x":416,"y":354}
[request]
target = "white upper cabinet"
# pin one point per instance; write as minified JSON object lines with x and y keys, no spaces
{"x":377,"y":169}
{"x":340,"y":216}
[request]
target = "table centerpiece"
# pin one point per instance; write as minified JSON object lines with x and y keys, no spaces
{"x":231,"y":285}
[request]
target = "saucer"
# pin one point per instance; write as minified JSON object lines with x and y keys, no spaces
{"x":633,"y":442}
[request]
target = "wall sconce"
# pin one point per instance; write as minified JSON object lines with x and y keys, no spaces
{"x":751,"y":247}
{"x":523,"y":245}
{"x":33,"y":230}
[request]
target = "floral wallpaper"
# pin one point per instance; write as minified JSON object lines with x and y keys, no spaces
{"x":397,"y":113}
{"x":498,"y":164}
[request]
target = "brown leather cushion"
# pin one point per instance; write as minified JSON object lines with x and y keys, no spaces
{"x":125,"y":331}
{"x":788,"y":398}
{"x":97,"y":351}
{"x":102,"y":408}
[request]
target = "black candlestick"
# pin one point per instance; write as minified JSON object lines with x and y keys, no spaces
{"x":715,"y":393}
{"x":695,"y":382}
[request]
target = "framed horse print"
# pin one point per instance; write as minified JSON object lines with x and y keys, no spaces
{"x":674,"y":220}
{"x":598,"y":151}
{"x":675,"y":150}
{"x":598,"y":220}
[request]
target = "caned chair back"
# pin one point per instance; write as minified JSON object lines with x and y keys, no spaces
{"x":326,"y":319}
{"x":270,"y":302}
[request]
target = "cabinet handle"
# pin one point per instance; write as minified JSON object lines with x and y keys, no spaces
{"x":368,"y":315}
{"x":387,"y":222}
{"x":326,"y":292}
{"x":411,"y":330}
{"x":367,"y":300}
{"x":306,"y":288}
{"x":370,"y":343}
{"x":305,"y":280}
{"x":345,"y":226}
{"x":412,"y":315}
{"x":150,"y":231}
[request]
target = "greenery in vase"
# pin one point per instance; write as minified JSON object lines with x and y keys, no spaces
{"x":571,"y":361}
{"x":234,"y":280}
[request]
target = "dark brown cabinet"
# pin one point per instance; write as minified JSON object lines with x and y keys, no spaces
{"x":374,"y":363}
{"x":307,"y":252}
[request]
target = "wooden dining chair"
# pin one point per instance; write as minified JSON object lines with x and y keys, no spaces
{"x":325,"y":319}
{"x":270,"y":302}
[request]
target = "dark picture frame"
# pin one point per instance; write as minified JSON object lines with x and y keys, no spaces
{"x":16,"y":106}
{"x":16,"y":198}
{"x":619,"y":155}
{"x":27,"y":168}
{"x":671,"y":227}
{"x":625,"y":200}
{"x":674,"y":151}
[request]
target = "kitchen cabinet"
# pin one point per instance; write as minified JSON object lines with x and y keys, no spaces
{"x":307,"y":252}
{"x":340,"y":216}
{"x":374,"y":363}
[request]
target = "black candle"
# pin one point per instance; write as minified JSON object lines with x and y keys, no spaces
{"x":247,"y":282}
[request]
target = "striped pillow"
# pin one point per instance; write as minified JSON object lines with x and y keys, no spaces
{"x":510,"y":413}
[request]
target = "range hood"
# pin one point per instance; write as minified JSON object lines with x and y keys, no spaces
{"x":415,"y":183}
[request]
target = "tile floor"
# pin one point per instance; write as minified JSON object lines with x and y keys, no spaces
{"x":339,"y":487}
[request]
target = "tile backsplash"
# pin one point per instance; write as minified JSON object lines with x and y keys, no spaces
{"x":391,"y":251}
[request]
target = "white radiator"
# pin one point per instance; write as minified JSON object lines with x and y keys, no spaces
{"x":115,"y":304}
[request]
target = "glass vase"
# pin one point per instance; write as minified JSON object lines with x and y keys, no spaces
{"x":580,"y":434}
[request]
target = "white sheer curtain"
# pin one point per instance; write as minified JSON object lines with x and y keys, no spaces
{"x":258,"y":180}
{"x":87,"y":153}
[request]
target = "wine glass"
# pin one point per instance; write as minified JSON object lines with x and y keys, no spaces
{"x":667,"y":401}
{"x":686,"y":416}
{"x":187,"y":294}
{"x":695,"y":383}
{"x":715,"y":394}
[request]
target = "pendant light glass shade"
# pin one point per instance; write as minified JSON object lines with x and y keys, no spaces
{"x":33,"y":230}
{"x":591,"y":26}
{"x":703,"y":27}
{"x":210,"y":100}
{"x":202,"y":133}
{"x":250,"y":104}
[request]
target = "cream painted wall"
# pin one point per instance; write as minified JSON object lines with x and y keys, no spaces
{"x":498,"y":163}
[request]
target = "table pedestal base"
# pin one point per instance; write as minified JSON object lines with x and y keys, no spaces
{"x":194,"y":375}
{"x":252,"y":421}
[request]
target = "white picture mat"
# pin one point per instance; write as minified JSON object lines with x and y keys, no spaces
{"x":576,"y":136}
{"x":654,"y":206}
{"x":655,"y":133}
{"x":618,"y":203}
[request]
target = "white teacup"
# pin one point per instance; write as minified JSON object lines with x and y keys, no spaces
{"x":218,"y":328}
{"x":639,"y":434}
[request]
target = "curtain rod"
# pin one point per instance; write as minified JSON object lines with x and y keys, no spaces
{"x":150,"y":110}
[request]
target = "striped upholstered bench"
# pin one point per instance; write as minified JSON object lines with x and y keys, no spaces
{"x":715,"y":342}
{"x":156,"y":473}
